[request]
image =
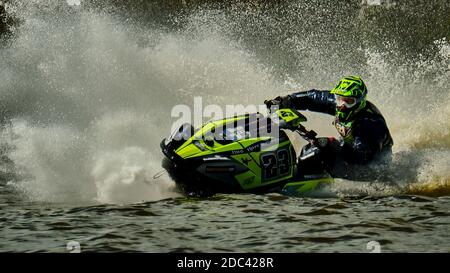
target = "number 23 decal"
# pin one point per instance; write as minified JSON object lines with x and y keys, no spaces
{"x":275,"y":164}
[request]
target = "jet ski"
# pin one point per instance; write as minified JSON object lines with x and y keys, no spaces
{"x":250,"y":153}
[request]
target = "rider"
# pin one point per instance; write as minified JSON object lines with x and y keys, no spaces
{"x":364,"y":136}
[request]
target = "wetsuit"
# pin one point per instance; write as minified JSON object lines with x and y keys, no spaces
{"x":365,"y":139}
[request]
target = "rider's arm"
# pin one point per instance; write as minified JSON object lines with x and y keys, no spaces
{"x":314,"y":100}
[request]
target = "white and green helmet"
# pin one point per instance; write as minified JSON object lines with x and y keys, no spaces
{"x":350,"y":87}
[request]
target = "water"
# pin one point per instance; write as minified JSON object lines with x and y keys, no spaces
{"x":86,"y":93}
{"x":233,"y":223}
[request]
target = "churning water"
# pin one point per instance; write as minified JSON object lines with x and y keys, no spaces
{"x":86,"y":94}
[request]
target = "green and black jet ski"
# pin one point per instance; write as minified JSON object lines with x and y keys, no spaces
{"x":248,"y":153}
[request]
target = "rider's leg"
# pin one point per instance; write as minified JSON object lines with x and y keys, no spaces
{"x":313,"y":162}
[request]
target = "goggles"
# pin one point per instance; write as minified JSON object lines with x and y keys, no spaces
{"x":348,"y":102}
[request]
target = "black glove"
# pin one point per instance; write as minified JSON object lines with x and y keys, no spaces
{"x":329,"y":143}
{"x":281,"y":101}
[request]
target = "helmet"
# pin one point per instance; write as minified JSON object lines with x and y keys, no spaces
{"x":350,"y":95}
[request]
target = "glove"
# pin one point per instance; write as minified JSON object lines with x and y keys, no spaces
{"x":281,"y":101}
{"x":328,"y":143}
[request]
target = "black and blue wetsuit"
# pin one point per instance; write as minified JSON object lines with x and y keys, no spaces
{"x":366,"y":138}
